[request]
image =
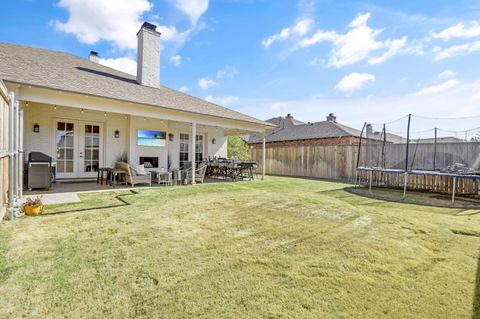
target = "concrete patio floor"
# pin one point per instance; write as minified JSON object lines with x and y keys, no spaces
{"x":67,"y":191}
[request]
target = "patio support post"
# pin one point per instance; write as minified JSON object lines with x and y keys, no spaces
{"x":20,"y":152}
{"x":264,"y":155}
{"x":11,"y":139}
{"x":194,"y":138}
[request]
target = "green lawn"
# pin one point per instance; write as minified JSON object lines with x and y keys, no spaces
{"x":283,"y":248}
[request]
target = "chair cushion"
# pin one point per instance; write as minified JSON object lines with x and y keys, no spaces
{"x":139,"y":170}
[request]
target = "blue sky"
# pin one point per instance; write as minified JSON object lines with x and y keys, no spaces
{"x":362,"y":60}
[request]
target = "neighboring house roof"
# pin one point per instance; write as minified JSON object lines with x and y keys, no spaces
{"x":290,"y":129}
{"x":65,"y":72}
{"x":445,"y":139}
{"x":391,"y":138}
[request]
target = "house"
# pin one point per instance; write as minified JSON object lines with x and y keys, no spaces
{"x":292,"y":132}
{"x":86,"y":115}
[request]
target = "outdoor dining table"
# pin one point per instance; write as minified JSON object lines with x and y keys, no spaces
{"x":231,"y":169}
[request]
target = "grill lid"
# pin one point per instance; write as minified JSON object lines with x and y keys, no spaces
{"x":39,"y":157}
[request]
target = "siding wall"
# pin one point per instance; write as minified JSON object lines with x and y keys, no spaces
{"x":339,"y":161}
{"x":4,"y":145}
{"x":45,"y":115}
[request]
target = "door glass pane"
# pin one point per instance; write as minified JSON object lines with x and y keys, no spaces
{"x":69,"y":139}
{"x":60,"y":167}
{"x":68,"y":166}
{"x":91,"y":149}
{"x":65,"y":147}
{"x":88,"y":154}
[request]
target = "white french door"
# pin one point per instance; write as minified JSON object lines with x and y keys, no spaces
{"x":78,"y":148}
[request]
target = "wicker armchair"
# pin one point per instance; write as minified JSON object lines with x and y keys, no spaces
{"x":132,"y":178}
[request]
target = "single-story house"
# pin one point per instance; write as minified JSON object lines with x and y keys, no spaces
{"x":87,"y":116}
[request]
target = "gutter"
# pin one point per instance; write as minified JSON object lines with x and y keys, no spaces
{"x":266,"y":124}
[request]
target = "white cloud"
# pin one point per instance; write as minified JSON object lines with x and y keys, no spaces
{"x":124,"y":64}
{"x":222,"y":100}
{"x":113,"y":21}
{"x":393,"y":47}
{"x":357,"y":44}
{"x":194,"y":9}
{"x":184,"y":88}
{"x":354,"y":82}
{"x":205,"y":83}
{"x":439,"y":88}
{"x":171,"y":34}
{"x":456,"y":50}
{"x":459,"y":31}
{"x":447,"y":74}
{"x":302,"y":27}
{"x":176,"y":59}
{"x":227,"y":72}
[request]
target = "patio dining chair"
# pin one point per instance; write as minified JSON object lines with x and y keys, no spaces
{"x":199,"y":173}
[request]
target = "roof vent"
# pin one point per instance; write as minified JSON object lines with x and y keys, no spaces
{"x":93,"y":56}
{"x":332,"y":118}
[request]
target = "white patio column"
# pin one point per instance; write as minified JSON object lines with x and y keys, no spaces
{"x":194,"y":134}
{"x":21,"y":154}
{"x":11,"y":160}
{"x":264,"y":156}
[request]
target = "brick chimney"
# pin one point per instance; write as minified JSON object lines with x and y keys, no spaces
{"x":148,"y":55}
{"x":93,"y":57}
{"x":332,"y":118}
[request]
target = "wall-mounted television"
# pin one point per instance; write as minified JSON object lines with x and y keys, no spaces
{"x":151,"y":138}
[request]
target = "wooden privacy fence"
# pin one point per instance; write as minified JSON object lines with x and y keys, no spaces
{"x":4,"y":148}
{"x":339,"y":162}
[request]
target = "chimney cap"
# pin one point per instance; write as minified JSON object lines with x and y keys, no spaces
{"x":148,"y":26}
{"x":289,"y":115}
{"x":331,"y":118}
{"x":94,"y":53}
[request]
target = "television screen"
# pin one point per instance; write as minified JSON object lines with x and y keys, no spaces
{"x":151,"y":138}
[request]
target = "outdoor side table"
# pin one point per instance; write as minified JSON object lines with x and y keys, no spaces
{"x":120,"y":173}
{"x":102,"y":175}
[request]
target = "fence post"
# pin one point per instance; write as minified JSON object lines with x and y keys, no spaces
{"x":264,"y":155}
{"x":408,"y":142}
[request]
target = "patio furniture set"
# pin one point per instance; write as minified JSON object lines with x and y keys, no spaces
{"x":231,"y":169}
{"x":126,"y":174}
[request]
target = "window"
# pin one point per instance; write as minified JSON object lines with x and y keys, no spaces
{"x":184,"y":148}
{"x":198,"y":148}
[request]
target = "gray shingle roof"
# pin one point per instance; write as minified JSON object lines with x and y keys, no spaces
{"x":65,"y":72}
{"x":290,"y":129}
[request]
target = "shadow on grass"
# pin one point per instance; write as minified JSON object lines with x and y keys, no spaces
{"x":476,"y":294}
{"x":462,"y":209}
{"x":119,"y":197}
